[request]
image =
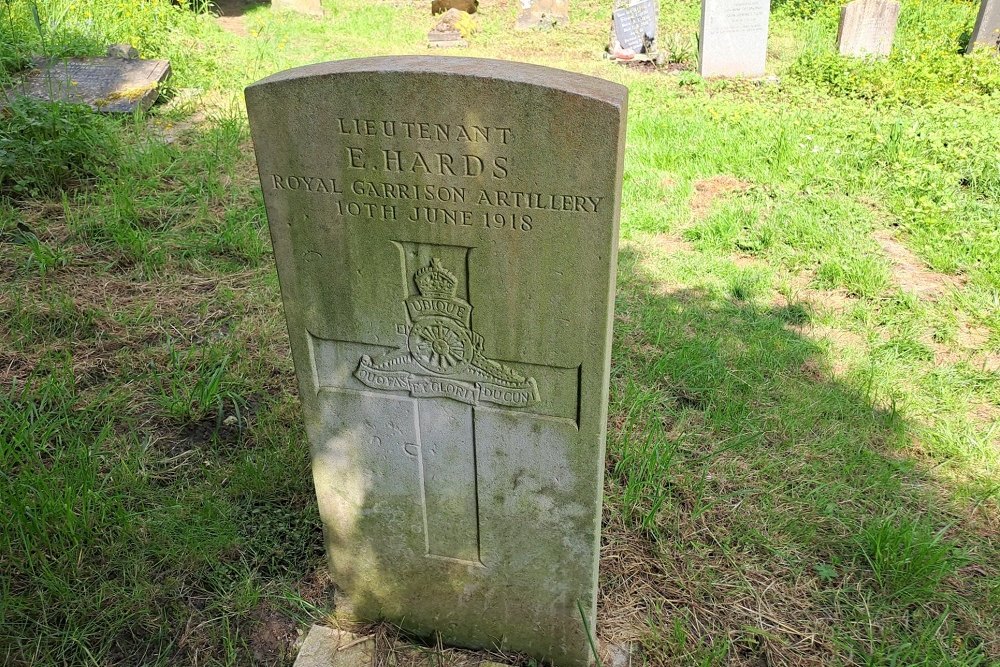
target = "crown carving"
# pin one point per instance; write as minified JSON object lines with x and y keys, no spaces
{"x":435,"y":280}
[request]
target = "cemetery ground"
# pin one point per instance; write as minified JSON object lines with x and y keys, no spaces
{"x":804,"y":441}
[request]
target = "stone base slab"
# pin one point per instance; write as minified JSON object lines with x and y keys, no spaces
{"x":329,"y":647}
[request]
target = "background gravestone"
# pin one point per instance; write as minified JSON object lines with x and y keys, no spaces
{"x":635,"y":26}
{"x":867,"y":27}
{"x":446,"y":32}
{"x":448,"y":273}
{"x":733,"y":39}
{"x":987,"y":29}
{"x":308,"y":7}
{"x":542,"y":14}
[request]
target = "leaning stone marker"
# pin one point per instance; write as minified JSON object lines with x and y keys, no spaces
{"x":112,"y":85}
{"x":986,"y":32}
{"x":447,"y":273}
{"x":733,"y":37}
{"x":867,"y":28}
{"x":635,"y":26}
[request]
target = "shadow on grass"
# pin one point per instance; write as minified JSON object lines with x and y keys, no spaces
{"x":762,"y":511}
{"x":233,"y":8}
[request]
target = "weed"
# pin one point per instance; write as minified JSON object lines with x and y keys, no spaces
{"x":193,"y":385}
{"x":860,"y":275}
{"x":908,"y":559}
{"x":644,"y":469}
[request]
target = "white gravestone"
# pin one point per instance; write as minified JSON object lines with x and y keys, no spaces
{"x":733,"y":39}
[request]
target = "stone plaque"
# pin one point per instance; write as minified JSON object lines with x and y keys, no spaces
{"x":447,"y":272}
{"x":542,"y":14}
{"x":635,"y":26}
{"x":733,"y":37}
{"x":867,"y":28}
{"x":307,"y":7}
{"x":987,"y":29}
{"x":114,"y":85}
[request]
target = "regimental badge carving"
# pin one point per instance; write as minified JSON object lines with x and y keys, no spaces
{"x":443,"y":356}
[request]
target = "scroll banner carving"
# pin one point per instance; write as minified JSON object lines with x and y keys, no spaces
{"x":472,"y":393}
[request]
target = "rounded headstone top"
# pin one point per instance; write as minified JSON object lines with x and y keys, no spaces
{"x":483,"y":68}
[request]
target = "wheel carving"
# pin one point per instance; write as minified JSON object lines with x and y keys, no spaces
{"x":440,"y":345}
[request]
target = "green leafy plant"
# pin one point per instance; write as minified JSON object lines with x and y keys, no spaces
{"x":680,"y":48}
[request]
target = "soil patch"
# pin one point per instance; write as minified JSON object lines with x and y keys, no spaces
{"x":273,"y":636}
{"x":707,"y":190}
{"x":911,"y":273}
{"x":231,"y":13}
{"x":670,"y":244}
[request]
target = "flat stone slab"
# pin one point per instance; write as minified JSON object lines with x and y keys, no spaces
{"x":113,"y":85}
{"x":436,"y":43}
{"x":448,"y":273}
{"x":329,"y":647}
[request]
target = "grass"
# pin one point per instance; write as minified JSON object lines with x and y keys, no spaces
{"x":804,"y":436}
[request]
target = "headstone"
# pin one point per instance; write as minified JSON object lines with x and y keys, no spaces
{"x":113,"y":85}
{"x":542,"y":14}
{"x":733,"y":37}
{"x":307,"y":7}
{"x":986,"y":32}
{"x":867,"y":28}
{"x":635,"y":26}
{"x":447,"y":272}
{"x":447,"y":33}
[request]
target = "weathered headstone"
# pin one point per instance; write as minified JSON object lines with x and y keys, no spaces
{"x":114,"y":85}
{"x":447,"y":272}
{"x":542,"y":14}
{"x":307,"y":7}
{"x":733,"y":37}
{"x":867,"y":27}
{"x":986,"y":32}
{"x":447,"y":33}
{"x":635,"y":26}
